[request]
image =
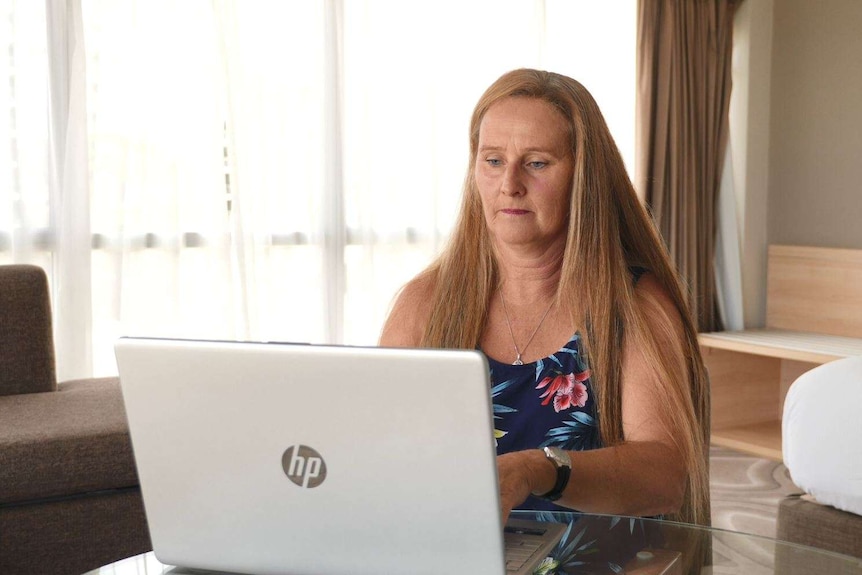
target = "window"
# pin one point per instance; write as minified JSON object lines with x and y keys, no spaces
{"x":275,"y":171}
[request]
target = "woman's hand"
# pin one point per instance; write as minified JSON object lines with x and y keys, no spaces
{"x":521,"y":473}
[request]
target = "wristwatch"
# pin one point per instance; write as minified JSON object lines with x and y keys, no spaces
{"x":563,"y":464}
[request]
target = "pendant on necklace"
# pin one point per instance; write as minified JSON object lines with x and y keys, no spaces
{"x":512,"y":334}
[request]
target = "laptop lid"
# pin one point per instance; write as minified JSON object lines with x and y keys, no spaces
{"x":291,"y":458}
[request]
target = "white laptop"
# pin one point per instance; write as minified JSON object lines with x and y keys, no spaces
{"x":304,"y":459}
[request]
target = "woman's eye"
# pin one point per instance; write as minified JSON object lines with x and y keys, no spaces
{"x":494,"y":162}
{"x":537,"y":165}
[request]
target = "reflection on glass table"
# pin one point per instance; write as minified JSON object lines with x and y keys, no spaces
{"x":605,"y":544}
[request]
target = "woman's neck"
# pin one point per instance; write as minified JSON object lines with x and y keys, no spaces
{"x":529,"y":277}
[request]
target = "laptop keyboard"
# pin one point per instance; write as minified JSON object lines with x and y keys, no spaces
{"x":521,"y":547}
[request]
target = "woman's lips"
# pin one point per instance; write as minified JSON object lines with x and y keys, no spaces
{"x":513,"y":212}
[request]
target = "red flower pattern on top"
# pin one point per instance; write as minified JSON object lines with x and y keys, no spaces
{"x":566,"y":390}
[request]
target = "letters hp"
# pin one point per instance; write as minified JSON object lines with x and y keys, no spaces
{"x":304,"y":466}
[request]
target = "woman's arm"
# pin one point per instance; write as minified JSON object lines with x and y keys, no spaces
{"x":646,"y":474}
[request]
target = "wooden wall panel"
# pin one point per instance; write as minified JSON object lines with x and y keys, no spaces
{"x":815,"y":289}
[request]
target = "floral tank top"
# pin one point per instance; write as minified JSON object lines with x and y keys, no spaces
{"x":549,"y":402}
{"x":545,"y":403}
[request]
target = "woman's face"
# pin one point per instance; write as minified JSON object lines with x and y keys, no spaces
{"x":524,"y":169}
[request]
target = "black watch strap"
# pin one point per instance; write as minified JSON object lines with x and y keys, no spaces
{"x":563,"y":465}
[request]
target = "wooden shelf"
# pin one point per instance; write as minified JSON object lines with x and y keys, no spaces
{"x":761,"y":439}
{"x":747,"y":398}
{"x":813,"y":317}
{"x":783,"y":344}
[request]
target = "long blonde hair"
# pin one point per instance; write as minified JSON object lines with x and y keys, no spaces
{"x":609,"y":231}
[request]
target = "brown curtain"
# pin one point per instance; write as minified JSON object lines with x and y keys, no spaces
{"x":683,"y":68}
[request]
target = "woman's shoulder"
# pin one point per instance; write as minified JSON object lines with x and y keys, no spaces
{"x":410,"y":312}
{"x":654,"y":298}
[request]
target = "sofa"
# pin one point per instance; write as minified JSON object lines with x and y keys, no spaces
{"x":822,"y":448}
{"x":69,"y":494}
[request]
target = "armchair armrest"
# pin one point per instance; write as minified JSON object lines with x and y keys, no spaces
{"x":26,"y":337}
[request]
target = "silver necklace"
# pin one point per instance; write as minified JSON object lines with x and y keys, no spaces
{"x":518,"y":352}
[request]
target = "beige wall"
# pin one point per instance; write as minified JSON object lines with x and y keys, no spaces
{"x":796,"y":131}
{"x":815,"y":162}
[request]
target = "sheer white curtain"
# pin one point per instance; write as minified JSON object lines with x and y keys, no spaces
{"x":44,"y":212}
{"x":69,"y":198}
{"x":25,"y":215}
{"x":162,"y":257}
{"x":275,"y":171}
{"x":279,"y":125}
{"x":728,"y":259}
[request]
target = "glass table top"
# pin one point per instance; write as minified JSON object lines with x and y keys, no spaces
{"x":605,"y":544}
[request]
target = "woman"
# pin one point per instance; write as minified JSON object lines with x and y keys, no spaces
{"x":552,"y":241}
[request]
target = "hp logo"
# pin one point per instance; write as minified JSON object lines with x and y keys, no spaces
{"x":304,"y":466}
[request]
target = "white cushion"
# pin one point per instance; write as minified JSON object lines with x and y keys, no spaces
{"x":822,"y":433}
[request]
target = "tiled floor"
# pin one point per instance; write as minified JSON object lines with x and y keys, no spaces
{"x":745,"y":494}
{"x":746,"y":490}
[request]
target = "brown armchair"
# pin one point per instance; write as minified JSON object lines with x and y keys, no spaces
{"x":69,"y":494}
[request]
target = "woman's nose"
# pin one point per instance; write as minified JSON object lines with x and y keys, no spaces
{"x":512,"y":184}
